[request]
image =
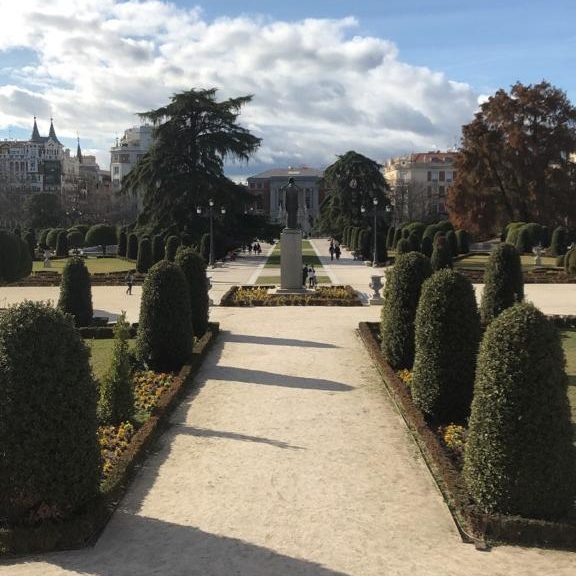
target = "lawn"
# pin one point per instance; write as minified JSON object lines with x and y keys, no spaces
{"x":101,"y":355}
{"x":94,"y":265}
{"x":569,"y":345}
{"x":478,"y":261}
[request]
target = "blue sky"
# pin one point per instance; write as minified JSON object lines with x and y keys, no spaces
{"x":382,"y":78}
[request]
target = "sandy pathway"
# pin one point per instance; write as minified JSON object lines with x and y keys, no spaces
{"x":289,"y":461}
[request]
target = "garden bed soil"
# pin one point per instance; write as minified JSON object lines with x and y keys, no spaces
{"x":474,"y":525}
{"x":86,"y":525}
{"x":231,"y":298}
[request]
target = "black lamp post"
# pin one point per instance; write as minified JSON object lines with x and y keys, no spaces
{"x":375,"y":248}
{"x":211,"y":215}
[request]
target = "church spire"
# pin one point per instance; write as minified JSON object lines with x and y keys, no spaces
{"x":35,"y":134}
{"x":52,"y":133}
{"x":79,"y":151}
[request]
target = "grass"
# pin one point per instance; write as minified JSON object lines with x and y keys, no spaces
{"x":101,"y":355}
{"x":276,"y":279}
{"x":569,"y":345}
{"x":478,"y":261}
{"x":94,"y":265}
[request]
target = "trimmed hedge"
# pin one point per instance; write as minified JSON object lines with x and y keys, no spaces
{"x":452,"y":242}
{"x":132,"y":250}
{"x":144,"y":260}
{"x":463,"y":241}
{"x":414,"y":241}
{"x":30,"y":239}
{"x":76,"y":292}
{"x":569,"y":262}
{"x":403,"y":247}
{"x":164,"y":340}
{"x":205,"y":245}
{"x":397,"y":237}
{"x":524,"y":240}
{"x":62,"y":244}
{"x":427,"y":246}
{"x":519,"y":455}
{"x":49,"y":453}
{"x":101,"y":235}
{"x":390,"y":237}
{"x":442,"y":254}
{"x":194,"y":268}
{"x":52,"y":237}
{"x":559,"y":241}
{"x":503,"y":282}
{"x":172,"y":245}
{"x":15,"y":260}
{"x":157,"y":248}
{"x":122,"y":244}
{"x":447,"y":335}
{"x":75,"y":239}
{"x":401,"y":295}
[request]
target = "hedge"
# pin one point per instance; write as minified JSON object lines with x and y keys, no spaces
{"x":194,"y":268}
{"x":76,"y":292}
{"x":144,"y":259}
{"x":171,"y":246}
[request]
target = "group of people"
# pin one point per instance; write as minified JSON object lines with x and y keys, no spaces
{"x":309,"y":276}
{"x":252,"y":248}
{"x":334,"y":249}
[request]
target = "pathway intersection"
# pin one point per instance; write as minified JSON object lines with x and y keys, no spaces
{"x":288,"y":460}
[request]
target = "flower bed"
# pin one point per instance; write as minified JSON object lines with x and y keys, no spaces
{"x":122,"y":448}
{"x":259,"y":296}
{"x":441,"y":454}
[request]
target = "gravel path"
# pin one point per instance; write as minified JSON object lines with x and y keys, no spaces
{"x":288,"y":461}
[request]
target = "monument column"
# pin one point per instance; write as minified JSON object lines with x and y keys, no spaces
{"x":291,"y":243}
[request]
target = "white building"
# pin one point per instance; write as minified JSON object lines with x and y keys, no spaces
{"x":419,"y":184}
{"x":128,"y":151}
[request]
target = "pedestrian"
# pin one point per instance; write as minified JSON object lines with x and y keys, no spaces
{"x":337,"y":251}
{"x":250,"y":248}
{"x":331,"y":250}
{"x":311,"y":277}
{"x":129,"y":282}
{"x":304,"y":275}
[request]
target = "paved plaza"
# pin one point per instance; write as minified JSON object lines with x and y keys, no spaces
{"x":288,"y":460}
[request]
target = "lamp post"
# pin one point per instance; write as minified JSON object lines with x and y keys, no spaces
{"x":375,"y":246}
{"x":211,"y":216}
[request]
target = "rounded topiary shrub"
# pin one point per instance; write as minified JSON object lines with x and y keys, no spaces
{"x":559,"y":241}
{"x":52,"y":237}
{"x":62,"y":244}
{"x":157,"y":248}
{"x":194,"y":268}
{"x":503,"y":282}
{"x":523,"y":240}
{"x":101,"y":235}
{"x":122,"y":243}
{"x":441,"y":255}
{"x":75,"y":239}
{"x":452,"y":242}
{"x":164,"y":340}
{"x":76,"y":292}
{"x":519,"y":453}
{"x":447,"y":335}
{"x":426,"y":246}
{"x":463,"y":241}
{"x":116,"y":403}
{"x":42,"y":241}
{"x":414,"y":241}
{"x":397,"y":237}
{"x":25,"y":260}
{"x":186,"y":240}
{"x":30,"y":239}
{"x":132,"y":250}
{"x":49,"y":453}
{"x":171,"y":246}
{"x":390,"y":237}
{"x":569,"y":262}
{"x":405,"y":233}
{"x":144,"y":260}
{"x":14,"y":257}
{"x":401,"y":294}
{"x":403,"y":246}
{"x":205,"y":245}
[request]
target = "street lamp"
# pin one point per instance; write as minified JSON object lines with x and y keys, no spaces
{"x":211,"y":215}
{"x":375,"y":248}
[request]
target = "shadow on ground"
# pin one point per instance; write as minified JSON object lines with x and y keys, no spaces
{"x":271,"y":341}
{"x":175,"y":550}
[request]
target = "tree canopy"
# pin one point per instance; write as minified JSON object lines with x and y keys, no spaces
{"x":515,"y":161}
{"x":43,"y":210}
{"x":194,"y":134}
{"x":352,"y":181}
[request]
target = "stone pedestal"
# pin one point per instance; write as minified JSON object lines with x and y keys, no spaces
{"x":291,"y":259}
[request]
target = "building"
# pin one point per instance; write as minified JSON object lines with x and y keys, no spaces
{"x":128,"y":151}
{"x":269,"y":194}
{"x":419,"y":184}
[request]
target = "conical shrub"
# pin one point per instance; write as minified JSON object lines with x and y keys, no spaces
{"x":62,"y":244}
{"x":122,"y":243}
{"x":463,"y":240}
{"x":132,"y":249}
{"x":157,"y":248}
{"x":144,"y":260}
{"x":76,"y":292}
{"x":401,"y":294}
{"x":447,"y":336}
{"x":503,"y":282}
{"x":403,"y":247}
{"x":171,"y":246}
{"x":194,"y":268}
{"x":441,"y":255}
{"x":519,"y":455}
{"x":452,"y":242}
{"x":164,"y":340}
{"x":559,"y":241}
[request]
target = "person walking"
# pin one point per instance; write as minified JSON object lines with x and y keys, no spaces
{"x":331,"y":250}
{"x":304,"y":275}
{"x":337,"y":251}
{"x":311,"y":277}
{"x":129,"y":282}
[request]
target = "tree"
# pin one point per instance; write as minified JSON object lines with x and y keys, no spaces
{"x":76,"y":292}
{"x":43,"y":210}
{"x":519,"y":452}
{"x":514,"y":163}
{"x":352,"y":181}
{"x":122,"y":243}
{"x":144,"y":259}
{"x":194,"y":134}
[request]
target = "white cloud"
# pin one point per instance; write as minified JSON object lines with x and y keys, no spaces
{"x":319,"y":90}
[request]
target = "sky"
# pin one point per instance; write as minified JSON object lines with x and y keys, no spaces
{"x":380,"y":77}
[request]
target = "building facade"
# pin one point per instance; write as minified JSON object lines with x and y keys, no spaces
{"x":268,"y":190}
{"x":419,"y":184}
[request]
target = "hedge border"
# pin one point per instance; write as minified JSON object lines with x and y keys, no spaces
{"x":276,"y":299}
{"x":474,"y":525}
{"x":85,"y":527}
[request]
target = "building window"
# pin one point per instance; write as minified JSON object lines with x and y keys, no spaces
{"x":429,"y":190}
{"x":252,"y":185}
{"x":454,"y":175}
{"x":259,"y":185}
{"x":442,"y":176}
{"x":125,"y":158}
{"x":441,"y":191}
{"x":116,"y":169}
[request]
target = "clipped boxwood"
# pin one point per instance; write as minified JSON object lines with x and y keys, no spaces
{"x":49,"y":453}
{"x":194,"y":268}
{"x":157,"y":248}
{"x":427,"y":246}
{"x":205,"y":245}
{"x":519,"y":453}
{"x":414,"y":241}
{"x":452,"y":242}
{"x":463,"y":241}
{"x":569,"y":262}
{"x":25,"y":259}
{"x":144,"y":260}
{"x":397,"y":237}
{"x":559,"y":241}
{"x":403,"y":246}
{"x":122,"y":243}
{"x":52,"y":237}
{"x":503,"y":282}
{"x":76,"y":292}
{"x":62,"y":244}
{"x":442,"y":254}
{"x":447,"y":335}
{"x":14,"y":257}
{"x":390,"y":238}
{"x":30,"y":239}
{"x":75,"y":238}
{"x":164,"y":340}
{"x":132,"y":250}
{"x":524,"y":240}
{"x":101,"y":235}
{"x":172,"y":245}
{"x":401,"y":294}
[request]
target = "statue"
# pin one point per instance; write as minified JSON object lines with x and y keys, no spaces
{"x":292,"y":204}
